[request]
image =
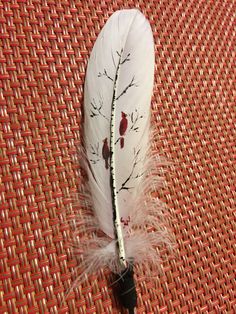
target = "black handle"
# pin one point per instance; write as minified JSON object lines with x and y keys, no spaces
{"x":127,"y":290}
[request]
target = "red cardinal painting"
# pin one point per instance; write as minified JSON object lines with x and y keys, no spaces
{"x":106,"y":152}
{"x":123,"y":128}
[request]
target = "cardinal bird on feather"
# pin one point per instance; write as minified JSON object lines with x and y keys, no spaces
{"x":123,"y":128}
{"x":105,"y":153}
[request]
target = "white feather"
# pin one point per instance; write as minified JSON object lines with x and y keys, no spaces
{"x":119,"y":83}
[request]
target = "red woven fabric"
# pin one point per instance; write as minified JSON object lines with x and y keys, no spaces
{"x":44,"y":49}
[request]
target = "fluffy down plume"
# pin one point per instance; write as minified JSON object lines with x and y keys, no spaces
{"x":120,"y":221}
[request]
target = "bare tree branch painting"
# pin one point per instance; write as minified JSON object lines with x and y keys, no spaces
{"x":105,"y":74}
{"x":94,"y":151}
{"x":120,"y":62}
{"x":135,"y":117}
{"x":125,"y":184}
{"x":97,"y":109}
{"x":131,"y":84}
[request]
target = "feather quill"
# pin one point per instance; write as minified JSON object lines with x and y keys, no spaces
{"x":118,"y":157}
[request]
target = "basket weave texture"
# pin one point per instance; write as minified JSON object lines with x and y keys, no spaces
{"x":44,"y":49}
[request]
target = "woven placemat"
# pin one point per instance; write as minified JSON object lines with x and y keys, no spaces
{"x":44,"y":49}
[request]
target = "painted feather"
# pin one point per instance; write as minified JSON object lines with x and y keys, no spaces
{"x":121,"y":168}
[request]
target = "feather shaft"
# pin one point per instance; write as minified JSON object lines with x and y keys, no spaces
{"x":116,"y":215}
